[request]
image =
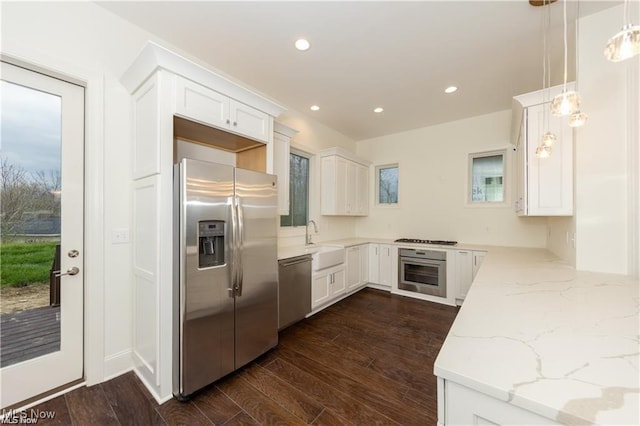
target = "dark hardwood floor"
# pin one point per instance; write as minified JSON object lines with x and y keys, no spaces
{"x":367,"y":360}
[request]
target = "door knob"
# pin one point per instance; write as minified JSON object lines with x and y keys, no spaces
{"x":70,"y":271}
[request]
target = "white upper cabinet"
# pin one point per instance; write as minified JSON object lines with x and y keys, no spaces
{"x":281,"y":149}
{"x":199,"y":103}
{"x":344,"y":184}
{"x":543,"y":186}
{"x":249,"y":121}
{"x":209,"y":107}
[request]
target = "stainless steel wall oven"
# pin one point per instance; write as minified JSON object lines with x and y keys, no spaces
{"x":423,"y":271}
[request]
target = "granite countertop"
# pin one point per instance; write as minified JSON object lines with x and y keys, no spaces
{"x":561,"y":343}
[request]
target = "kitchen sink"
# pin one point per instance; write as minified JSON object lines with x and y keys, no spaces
{"x":325,"y":256}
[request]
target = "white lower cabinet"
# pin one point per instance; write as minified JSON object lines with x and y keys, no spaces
{"x":464,"y":406}
{"x":357,"y":266}
{"x":381,"y":264}
{"x":467,"y":265}
{"x":327,"y":285}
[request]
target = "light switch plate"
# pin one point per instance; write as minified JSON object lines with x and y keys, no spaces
{"x":120,"y":236}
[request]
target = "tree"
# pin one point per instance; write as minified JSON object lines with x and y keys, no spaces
{"x":22,"y":193}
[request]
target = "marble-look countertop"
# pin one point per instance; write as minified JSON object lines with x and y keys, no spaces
{"x":552,"y":340}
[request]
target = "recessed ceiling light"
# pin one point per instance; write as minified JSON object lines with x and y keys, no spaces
{"x":314,"y":108}
{"x":450,"y":89}
{"x":378,"y":110}
{"x":302,"y":44}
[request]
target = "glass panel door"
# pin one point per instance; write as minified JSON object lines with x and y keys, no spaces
{"x":42,"y":234}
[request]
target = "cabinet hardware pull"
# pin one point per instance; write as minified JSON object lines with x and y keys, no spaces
{"x":235,"y":123}
{"x":228,"y":121}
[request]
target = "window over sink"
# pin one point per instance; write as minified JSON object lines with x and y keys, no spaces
{"x":298,"y":191}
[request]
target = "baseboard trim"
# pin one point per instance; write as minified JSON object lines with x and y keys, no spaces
{"x":117,"y":364}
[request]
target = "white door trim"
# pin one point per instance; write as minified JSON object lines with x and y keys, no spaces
{"x":93,"y":81}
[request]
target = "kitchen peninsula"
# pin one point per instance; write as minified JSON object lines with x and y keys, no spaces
{"x":537,"y":342}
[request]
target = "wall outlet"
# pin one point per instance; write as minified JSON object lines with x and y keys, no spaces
{"x":120,"y":236}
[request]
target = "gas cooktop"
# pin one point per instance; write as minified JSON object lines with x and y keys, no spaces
{"x":417,"y":241}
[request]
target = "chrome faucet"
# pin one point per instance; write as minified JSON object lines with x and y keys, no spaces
{"x":307,"y":235}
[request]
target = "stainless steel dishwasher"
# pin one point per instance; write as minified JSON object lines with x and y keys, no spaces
{"x":294,"y":289}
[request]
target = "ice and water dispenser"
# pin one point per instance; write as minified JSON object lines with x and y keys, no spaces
{"x":210,"y":243}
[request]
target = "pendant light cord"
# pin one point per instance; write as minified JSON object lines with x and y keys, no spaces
{"x":576,"y":43}
{"x":564,"y":14}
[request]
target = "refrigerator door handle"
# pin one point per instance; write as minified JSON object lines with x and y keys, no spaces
{"x":234,"y":251}
{"x":240,"y":247}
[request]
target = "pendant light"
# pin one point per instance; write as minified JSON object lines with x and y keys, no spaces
{"x":625,"y":44}
{"x":548,"y":139}
{"x":567,"y":102}
{"x":543,"y":151}
{"x":578,"y":118}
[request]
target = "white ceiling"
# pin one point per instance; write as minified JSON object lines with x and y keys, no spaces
{"x":398,"y":55}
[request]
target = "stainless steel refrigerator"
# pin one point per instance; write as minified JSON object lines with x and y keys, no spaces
{"x":226,"y":271}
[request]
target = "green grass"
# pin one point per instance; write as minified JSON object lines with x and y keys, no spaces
{"x":25,"y":263}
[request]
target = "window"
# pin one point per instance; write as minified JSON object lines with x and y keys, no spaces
{"x":298,"y":192}
{"x":387,"y":184}
{"x":487,"y":174}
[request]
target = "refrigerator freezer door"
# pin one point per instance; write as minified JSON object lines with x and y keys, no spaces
{"x":205,"y":317}
{"x":257,"y":293}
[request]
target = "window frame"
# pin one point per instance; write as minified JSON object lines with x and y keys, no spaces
{"x":506,"y":176}
{"x":376,"y":181}
{"x":295,"y":229}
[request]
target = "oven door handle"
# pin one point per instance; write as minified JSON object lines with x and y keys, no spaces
{"x":420,"y":261}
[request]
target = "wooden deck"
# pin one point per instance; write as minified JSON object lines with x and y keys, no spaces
{"x":29,"y":334}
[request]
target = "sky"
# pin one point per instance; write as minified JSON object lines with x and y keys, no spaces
{"x":30,"y":126}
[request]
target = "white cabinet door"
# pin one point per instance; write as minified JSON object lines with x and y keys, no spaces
{"x":350,"y":196}
{"x":364,"y":264}
{"x":464,"y":272}
{"x":544,"y":186}
{"x":344,"y":187}
{"x":197,"y":102}
{"x":549,"y":180}
{"x":385,"y":269}
{"x":249,"y":121}
{"x":281,"y":148}
{"x":362,"y":190}
{"x":338,"y":284}
{"x":353,"y":267}
{"x":340,"y":189}
{"x":464,"y":406}
{"x":320,"y":289}
{"x":374,"y":263}
{"x":478,"y":258}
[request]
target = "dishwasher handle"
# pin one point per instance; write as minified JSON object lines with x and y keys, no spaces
{"x":295,"y":261}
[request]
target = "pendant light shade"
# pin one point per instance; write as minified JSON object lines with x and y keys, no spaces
{"x":623,"y":45}
{"x":548,"y":139}
{"x":543,"y":151}
{"x":577,"y":119}
{"x":565,"y":103}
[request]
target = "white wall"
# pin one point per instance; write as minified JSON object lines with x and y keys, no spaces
{"x":433,"y":174}
{"x":603,"y":217}
{"x":313,"y":137}
{"x":561,"y":238}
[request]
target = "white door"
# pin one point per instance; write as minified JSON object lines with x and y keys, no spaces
{"x":41,"y":149}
